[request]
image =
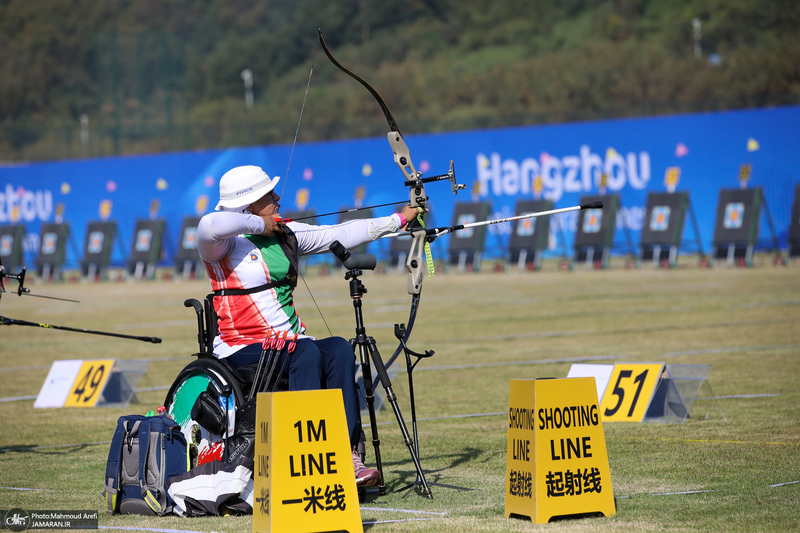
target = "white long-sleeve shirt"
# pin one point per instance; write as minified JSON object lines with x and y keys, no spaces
{"x":236,"y":256}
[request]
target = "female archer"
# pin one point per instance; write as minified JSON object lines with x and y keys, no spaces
{"x":251,"y":259}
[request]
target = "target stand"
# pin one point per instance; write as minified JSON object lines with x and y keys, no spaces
{"x":736,"y":229}
{"x":662,"y":231}
{"x":466,"y":246}
{"x":11,"y":250}
{"x":52,"y":250}
{"x":187,"y":260}
{"x":794,"y":226}
{"x":100,"y":237}
{"x":148,"y":244}
{"x":594,"y":237}
{"x":531,"y":236}
{"x":737,"y":226}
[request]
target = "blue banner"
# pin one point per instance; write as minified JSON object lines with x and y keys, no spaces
{"x":631,"y":157}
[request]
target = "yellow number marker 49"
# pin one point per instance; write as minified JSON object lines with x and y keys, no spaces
{"x":89,"y":383}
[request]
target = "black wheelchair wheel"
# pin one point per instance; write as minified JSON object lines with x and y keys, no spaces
{"x":191,"y":381}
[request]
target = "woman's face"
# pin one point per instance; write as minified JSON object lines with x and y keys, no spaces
{"x":267,"y":205}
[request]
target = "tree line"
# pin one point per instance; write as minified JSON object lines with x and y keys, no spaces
{"x":86,"y":78}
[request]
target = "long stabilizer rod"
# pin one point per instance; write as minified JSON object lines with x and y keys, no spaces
{"x":438,"y":232}
{"x":14,"y":322}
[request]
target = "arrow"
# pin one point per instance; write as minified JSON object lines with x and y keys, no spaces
{"x":438,"y":232}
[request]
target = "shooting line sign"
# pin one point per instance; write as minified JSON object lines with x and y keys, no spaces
{"x":557,"y":463}
{"x":303,"y":478}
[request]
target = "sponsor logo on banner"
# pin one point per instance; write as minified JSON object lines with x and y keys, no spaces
{"x":144,"y":239}
{"x":592,"y":221}
{"x":734,"y":212}
{"x":17,"y":203}
{"x":659,"y":219}
{"x":95,"y":242}
{"x":569,"y":174}
{"x":49,"y":242}
{"x":467,"y":218}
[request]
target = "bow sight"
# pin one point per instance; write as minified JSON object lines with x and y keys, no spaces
{"x":450,"y":176}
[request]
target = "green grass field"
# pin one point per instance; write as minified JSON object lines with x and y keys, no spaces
{"x":738,"y":473}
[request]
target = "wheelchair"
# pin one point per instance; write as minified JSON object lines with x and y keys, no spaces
{"x":227,"y":385}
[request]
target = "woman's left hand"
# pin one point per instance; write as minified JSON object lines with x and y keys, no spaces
{"x":410,"y":213}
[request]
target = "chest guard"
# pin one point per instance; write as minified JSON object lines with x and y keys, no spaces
{"x":288,"y":243}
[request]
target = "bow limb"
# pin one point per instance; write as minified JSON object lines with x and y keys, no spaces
{"x":417,"y":198}
{"x":402,"y":158}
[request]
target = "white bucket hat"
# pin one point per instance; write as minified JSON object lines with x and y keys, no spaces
{"x":241,"y":186}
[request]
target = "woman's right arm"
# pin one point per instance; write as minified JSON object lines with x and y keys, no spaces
{"x":216,"y":230}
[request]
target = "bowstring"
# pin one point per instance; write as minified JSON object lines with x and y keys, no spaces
{"x":300,"y":118}
{"x":286,"y":179}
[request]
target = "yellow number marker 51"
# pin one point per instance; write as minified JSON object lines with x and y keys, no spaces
{"x":629,"y":391}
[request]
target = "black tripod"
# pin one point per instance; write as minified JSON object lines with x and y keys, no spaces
{"x":367,"y":348}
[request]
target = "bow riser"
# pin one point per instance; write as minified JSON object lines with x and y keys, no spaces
{"x":414,"y":262}
{"x":402,"y":157}
{"x":417,"y":198}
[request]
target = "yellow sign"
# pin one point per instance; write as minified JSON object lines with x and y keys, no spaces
{"x":557,"y":463}
{"x":744,"y":172}
{"x":629,"y":391}
{"x":672,"y":177}
{"x":304,"y":477}
{"x":89,"y":383}
{"x":201,"y":204}
{"x":155,"y":205}
{"x":361,"y":193}
{"x":105,"y":209}
{"x":538,"y":186}
{"x":301,"y":198}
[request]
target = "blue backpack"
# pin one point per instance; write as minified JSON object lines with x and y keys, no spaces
{"x":145,"y":451}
